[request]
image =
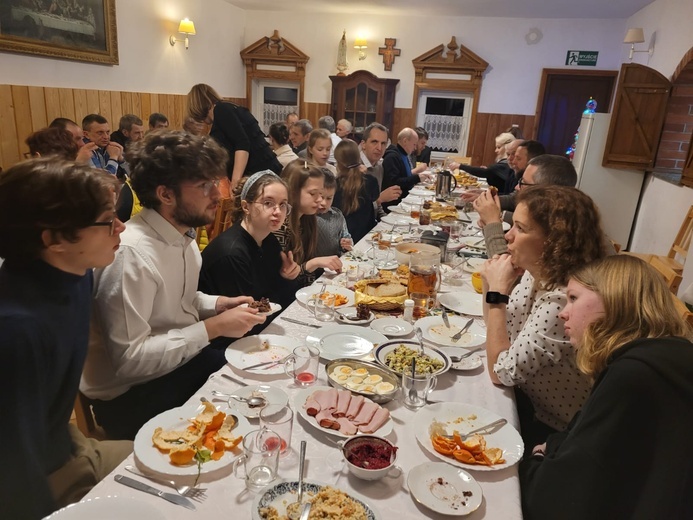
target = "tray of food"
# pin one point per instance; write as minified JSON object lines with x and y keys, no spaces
{"x":363,"y":378}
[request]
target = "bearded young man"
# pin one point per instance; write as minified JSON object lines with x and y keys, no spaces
{"x":151,"y":328}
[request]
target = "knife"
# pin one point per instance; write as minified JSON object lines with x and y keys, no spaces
{"x":237,"y":381}
{"x":258,"y":365}
{"x":299,"y":322}
{"x":445,"y":318}
{"x":171,"y":497}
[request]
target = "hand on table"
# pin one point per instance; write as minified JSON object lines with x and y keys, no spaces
{"x":225,"y":302}
{"x":499,"y":274}
{"x":326,"y":262}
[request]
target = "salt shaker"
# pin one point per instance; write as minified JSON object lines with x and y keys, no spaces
{"x":408,"y":311}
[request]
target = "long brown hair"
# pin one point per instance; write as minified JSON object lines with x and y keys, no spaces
{"x":201,"y":99}
{"x":637,"y":304}
{"x":303,"y":229}
{"x":254,"y":193}
{"x":350,"y":179}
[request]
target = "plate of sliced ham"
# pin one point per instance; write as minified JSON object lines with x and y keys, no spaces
{"x":339,"y":413}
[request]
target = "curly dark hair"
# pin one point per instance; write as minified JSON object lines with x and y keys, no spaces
{"x":280,"y":133}
{"x":49,"y":194}
{"x":571,"y":224}
{"x":52,"y":141}
{"x":168,"y":158}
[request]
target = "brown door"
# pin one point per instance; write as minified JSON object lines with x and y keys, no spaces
{"x":562,"y":98}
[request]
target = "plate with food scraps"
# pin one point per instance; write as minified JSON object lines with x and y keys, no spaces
{"x":349,"y":316}
{"x":397,"y":355}
{"x":464,"y":302}
{"x":361,"y":377}
{"x":474,"y":243}
{"x":462,"y":417}
{"x":473,"y":265}
{"x":108,"y":508}
{"x":444,"y":489}
{"x":344,"y":341}
{"x":328,"y":501}
{"x":263,"y":308}
{"x":398,"y":220}
{"x":392,"y":327}
{"x":253,"y":350}
{"x":271,"y":394}
{"x":434,"y":330}
{"x":343,"y":296}
{"x":178,"y":420}
{"x":468,"y":363}
{"x":299,"y":405}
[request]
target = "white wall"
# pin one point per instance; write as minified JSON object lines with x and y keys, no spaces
{"x":148,"y":63}
{"x":663,"y":205}
{"x":511,"y":84}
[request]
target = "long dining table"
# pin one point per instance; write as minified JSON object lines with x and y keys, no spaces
{"x":227,"y":497}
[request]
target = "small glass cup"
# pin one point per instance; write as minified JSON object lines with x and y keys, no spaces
{"x":324,"y":308}
{"x":425,"y":217}
{"x":260,"y":459}
{"x":354,"y":273}
{"x":477,"y":282}
{"x":421,"y":303}
{"x":415,"y":390}
{"x":279,"y":419}
{"x":302,"y":365}
{"x":383,"y":257}
{"x":456,"y":228}
{"x":415,"y":211}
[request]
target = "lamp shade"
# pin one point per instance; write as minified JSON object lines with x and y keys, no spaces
{"x":188,"y":27}
{"x":635,"y":35}
{"x":360,"y":43}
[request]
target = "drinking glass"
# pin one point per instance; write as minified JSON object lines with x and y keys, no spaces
{"x":415,"y":390}
{"x":383,"y":257}
{"x":302,"y":365}
{"x":279,"y":418}
{"x":456,"y":228}
{"x":259,"y":459}
{"x":415,"y":211}
{"x":324,"y":308}
{"x":421,"y":303}
{"x":423,"y":272}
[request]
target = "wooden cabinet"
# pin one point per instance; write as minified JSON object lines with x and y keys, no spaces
{"x":363,"y":98}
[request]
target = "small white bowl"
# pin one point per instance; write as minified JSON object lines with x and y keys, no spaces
{"x":392,"y":327}
{"x":403,"y":251}
{"x":391,"y":470}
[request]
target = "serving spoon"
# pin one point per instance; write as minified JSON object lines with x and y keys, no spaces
{"x":252,"y":402}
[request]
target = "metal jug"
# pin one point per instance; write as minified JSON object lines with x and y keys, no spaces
{"x":444,"y":184}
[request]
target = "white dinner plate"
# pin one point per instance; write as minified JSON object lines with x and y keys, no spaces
{"x":398,"y":220}
{"x":434,"y":330}
{"x":463,"y":418}
{"x":444,"y":489}
{"x":419,"y":191}
{"x":108,"y":508}
{"x":251,"y":350}
{"x":471,"y":217}
{"x":271,"y":394}
{"x":279,"y":494}
{"x":304,"y":294}
{"x":472,"y":264}
{"x":178,"y":419}
{"x":344,"y":341}
{"x":469,"y":363}
{"x":300,"y":399}
{"x":347,"y":316}
{"x":464,"y":302}
{"x":392,"y":327}
{"x":274,"y":307}
{"x":474,"y":243}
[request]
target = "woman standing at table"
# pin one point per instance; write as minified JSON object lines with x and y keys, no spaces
{"x":626,"y":455}
{"x":556,"y":230}
{"x":298,"y":235}
{"x":357,"y":191}
{"x":245,"y":260}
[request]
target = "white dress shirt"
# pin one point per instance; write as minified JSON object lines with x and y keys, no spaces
{"x":285,"y":154}
{"x":335,"y":141}
{"x":147,"y":309}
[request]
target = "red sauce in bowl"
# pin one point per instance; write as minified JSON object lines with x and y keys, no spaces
{"x":370,"y":454}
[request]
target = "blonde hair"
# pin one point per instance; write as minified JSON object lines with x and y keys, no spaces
{"x":318,"y":133}
{"x":501,"y":141}
{"x":637,"y":304}
{"x":201,"y":99}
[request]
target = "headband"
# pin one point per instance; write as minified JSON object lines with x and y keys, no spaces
{"x":253,"y":179}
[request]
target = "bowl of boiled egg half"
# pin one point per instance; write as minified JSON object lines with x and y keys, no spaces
{"x":363,"y":378}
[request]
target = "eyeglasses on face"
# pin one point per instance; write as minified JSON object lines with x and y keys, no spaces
{"x":269,"y":206}
{"x":207,"y":186}
{"x":110,"y":223}
{"x":522,"y":183}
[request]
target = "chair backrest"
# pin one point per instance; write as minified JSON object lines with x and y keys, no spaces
{"x":84,"y":416}
{"x":671,"y":277}
{"x":458,"y":159}
{"x":683,"y":240}
{"x":222,"y":220}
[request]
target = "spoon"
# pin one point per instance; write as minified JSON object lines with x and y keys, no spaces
{"x":252,"y":402}
{"x":235,"y":418}
{"x":412,"y":391}
{"x":294,"y":514}
{"x":306,"y":511}
{"x":455,"y":359}
{"x":419,"y":337}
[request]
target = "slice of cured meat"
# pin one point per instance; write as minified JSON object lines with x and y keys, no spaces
{"x":379,"y":419}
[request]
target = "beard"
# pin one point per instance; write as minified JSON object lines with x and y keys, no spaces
{"x":188,"y":217}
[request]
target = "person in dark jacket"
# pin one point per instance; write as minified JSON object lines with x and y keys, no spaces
{"x":626,"y":455}
{"x":498,"y":173}
{"x":397,"y":170}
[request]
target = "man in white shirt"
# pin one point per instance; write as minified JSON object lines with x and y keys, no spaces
{"x":373,"y":147}
{"x":151,"y":329}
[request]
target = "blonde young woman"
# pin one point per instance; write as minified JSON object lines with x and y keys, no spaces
{"x":627,"y":454}
{"x":318,"y":149}
{"x":496,"y":174}
{"x":357,"y":191}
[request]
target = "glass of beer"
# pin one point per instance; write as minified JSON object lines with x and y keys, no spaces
{"x":423,"y":273}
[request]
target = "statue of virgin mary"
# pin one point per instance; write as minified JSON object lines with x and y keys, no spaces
{"x":342,"y":64}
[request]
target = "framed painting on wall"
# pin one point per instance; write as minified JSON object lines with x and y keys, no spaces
{"x":82,"y":30}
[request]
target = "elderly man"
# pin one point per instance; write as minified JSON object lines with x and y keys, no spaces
{"x":327,"y":122}
{"x":372,"y":148}
{"x":344,"y":128}
{"x":151,"y":329}
{"x":291,"y":119}
{"x":397,"y":169}
{"x":107,"y":155}
{"x":511,"y":150}
{"x":298,"y":135}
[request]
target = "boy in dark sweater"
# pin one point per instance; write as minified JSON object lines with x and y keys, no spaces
{"x":57,"y":222}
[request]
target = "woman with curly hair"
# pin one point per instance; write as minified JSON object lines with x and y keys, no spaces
{"x":556,"y":230}
{"x":623,"y":455}
{"x":279,"y":142}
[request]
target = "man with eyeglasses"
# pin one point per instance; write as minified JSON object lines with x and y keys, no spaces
{"x":57,"y":223}
{"x":151,"y":328}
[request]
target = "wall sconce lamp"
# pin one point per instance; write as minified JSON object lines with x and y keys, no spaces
{"x":186,"y":27}
{"x":361,"y":44}
{"x":634,"y":36}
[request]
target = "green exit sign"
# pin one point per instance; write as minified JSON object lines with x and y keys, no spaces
{"x":582,"y":58}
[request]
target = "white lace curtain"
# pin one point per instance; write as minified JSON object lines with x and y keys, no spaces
{"x":275,"y":114}
{"x":445,"y":132}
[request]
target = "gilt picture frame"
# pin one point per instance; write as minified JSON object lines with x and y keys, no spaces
{"x":81,"y":30}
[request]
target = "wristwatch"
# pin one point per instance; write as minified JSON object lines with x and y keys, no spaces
{"x":493,"y":297}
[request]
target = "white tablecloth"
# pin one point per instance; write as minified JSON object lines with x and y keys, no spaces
{"x":226,"y":495}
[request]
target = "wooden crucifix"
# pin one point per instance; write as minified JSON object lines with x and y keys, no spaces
{"x":389,"y":52}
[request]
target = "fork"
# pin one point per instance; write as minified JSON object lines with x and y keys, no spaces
{"x":457,"y":336}
{"x":194,"y":493}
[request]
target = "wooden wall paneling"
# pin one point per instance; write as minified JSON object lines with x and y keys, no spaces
{"x":314,"y":111}
{"x":81,"y":105}
{"x":181,"y":109}
{"x":116,"y":111}
{"x":243,"y":102}
{"x":137,"y":104}
{"x":146,"y":108}
{"x":93,"y":105}
{"x":67,"y":103}
{"x":52,"y":103}
{"x":22,"y":116}
{"x":9,"y":148}
{"x":126,"y":102}
{"x":105,"y":104}
{"x":154,"y":103}
{"x":402,"y":118}
{"x":37,"y":101}
{"x":171,"y":111}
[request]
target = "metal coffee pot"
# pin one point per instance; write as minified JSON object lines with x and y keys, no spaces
{"x":444,"y":184}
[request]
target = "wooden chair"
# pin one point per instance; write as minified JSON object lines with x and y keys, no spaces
{"x":222,"y":220}
{"x":683,"y":310}
{"x":84,"y":417}
{"x":679,"y":249}
{"x":458,"y":159}
{"x":671,"y":277}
